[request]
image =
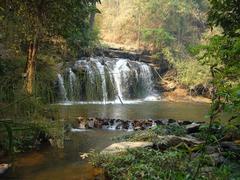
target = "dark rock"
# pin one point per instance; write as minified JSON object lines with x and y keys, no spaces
{"x":125,"y":125}
{"x":185,"y":122}
{"x":98,"y":124}
{"x":164,"y":142}
{"x":105,"y":123}
{"x":230,"y":146}
{"x":137,"y":123}
{"x":192,"y":128}
{"x":159,"y":122}
{"x":171,"y":121}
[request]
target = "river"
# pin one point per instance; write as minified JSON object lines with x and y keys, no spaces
{"x":52,"y":163}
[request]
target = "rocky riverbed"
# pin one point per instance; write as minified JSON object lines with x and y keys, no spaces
{"x":132,"y":125}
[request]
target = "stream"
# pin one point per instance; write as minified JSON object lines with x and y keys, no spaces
{"x":52,"y":163}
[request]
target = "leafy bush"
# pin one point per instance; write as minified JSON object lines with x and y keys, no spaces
{"x":191,"y":73}
{"x":144,"y":164}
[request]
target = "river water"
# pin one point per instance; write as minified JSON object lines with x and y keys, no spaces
{"x":145,"y":110}
{"x":66,"y":164}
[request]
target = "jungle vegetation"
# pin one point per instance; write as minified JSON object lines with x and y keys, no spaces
{"x":35,"y":36}
{"x":199,"y":38}
{"x":167,"y":28}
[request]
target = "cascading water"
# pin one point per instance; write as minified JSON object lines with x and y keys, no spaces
{"x":106,"y":80}
{"x":101,"y":70}
{"x":62,"y":91}
{"x":72,"y":80}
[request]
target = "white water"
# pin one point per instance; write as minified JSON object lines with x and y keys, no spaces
{"x":62,"y":88}
{"x":102,"y":74}
{"x":132,"y":81}
{"x":120,"y":72}
{"x":72,"y":80}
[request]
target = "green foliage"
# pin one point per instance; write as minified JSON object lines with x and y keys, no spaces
{"x":47,"y":20}
{"x":222,"y":56}
{"x":225,"y":14}
{"x":152,"y":134}
{"x":153,"y":164}
{"x":23,"y":136}
{"x":11,"y":71}
{"x":144,"y":164}
{"x":192,"y":73}
{"x":158,"y":37}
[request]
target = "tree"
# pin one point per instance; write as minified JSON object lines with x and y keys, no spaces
{"x":36,"y":21}
{"x":222,"y":54}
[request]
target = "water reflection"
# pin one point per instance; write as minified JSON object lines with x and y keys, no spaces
{"x":147,"y":110}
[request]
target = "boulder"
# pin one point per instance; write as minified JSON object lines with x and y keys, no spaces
{"x":123,"y":146}
{"x":90,"y":124}
{"x":161,"y":122}
{"x":164,"y":142}
{"x":231,"y":146}
{"x":171,"y":121}
{"x":126,"y":124}
{"x":192,"y":128}
{"x":185,"y":122}
{"x":82,"y":122}
{"x":98,"y":123}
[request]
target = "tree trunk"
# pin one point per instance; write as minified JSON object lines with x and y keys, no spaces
{"x":92,"y":18}
{"x":30,"y":66}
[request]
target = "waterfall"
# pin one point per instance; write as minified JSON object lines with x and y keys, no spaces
{"x":106,"y":80}
{"x":62,"y":90}
{"x":103,"y":79}
{"x":72,"y":80}
{"x":120,"y":73}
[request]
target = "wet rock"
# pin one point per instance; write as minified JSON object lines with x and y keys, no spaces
{"x":123,"y":146}
{"x":137,"y":128}
{"x":185,"y":122}
{"x":192,"y":128}
{"x":125,"y":125}
{"x":82,"y":122}
{"x":98,"y":123}
{"x":165,"y":121}
{"x":119,"y":126}
{"x":4,"y":168}
{"x":159,"y":122}
{"x":171,"y":121}
{"x":231,"y":146}
{"x":164,"y":142}
{"x":91,"y":122}
{"x":139,"y":125}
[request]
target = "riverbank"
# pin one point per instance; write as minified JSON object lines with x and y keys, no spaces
{"x":181,"y":95}
{"x":173,"y":152}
